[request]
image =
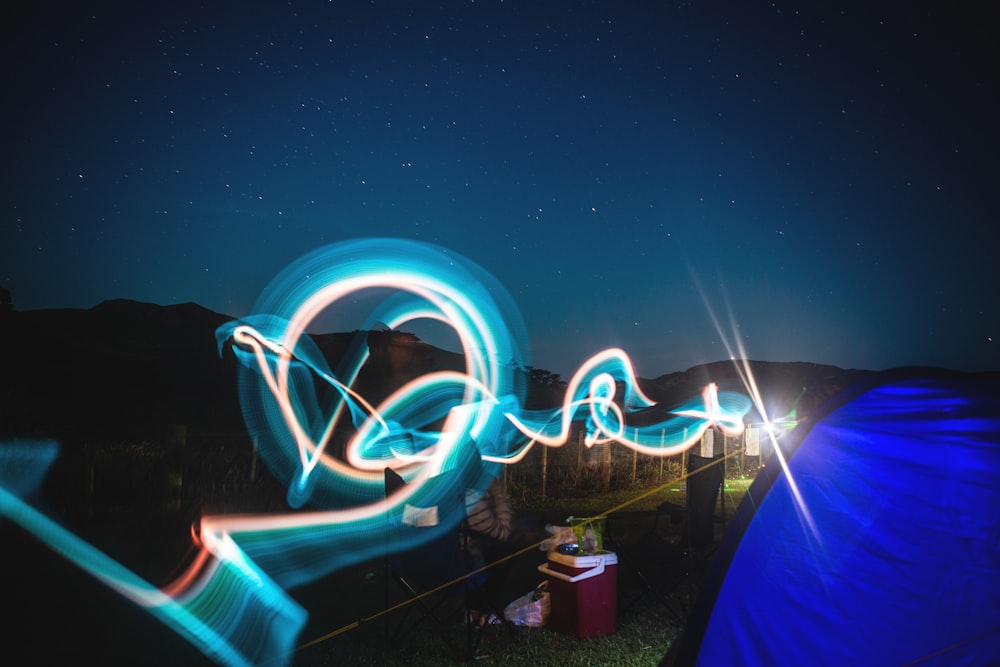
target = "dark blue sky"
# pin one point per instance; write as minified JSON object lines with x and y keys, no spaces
{"x":824,"y":176}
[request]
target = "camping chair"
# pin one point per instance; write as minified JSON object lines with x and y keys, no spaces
{"x":651,"y":566}
{"x":438,"y":578}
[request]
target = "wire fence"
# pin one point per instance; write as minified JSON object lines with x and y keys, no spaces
{"x":192,"y":471}
{"x":575,"y":469}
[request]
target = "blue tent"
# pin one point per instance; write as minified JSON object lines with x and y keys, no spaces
{"x":877,"y":544}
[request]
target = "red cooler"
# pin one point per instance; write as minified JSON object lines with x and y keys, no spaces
{"x":583,"y":593}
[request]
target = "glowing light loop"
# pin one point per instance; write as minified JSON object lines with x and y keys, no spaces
{"x":443,"y":431}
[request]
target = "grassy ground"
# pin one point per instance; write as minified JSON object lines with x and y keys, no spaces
{"x":641,"y":639}
{"x":631,"y":500}
{"x":654,"y":597}
{"x":67,"y":617}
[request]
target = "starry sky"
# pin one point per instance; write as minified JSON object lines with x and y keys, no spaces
{"x":815,"y":181}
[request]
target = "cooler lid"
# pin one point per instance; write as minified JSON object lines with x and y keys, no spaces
{"x":585,"y":561}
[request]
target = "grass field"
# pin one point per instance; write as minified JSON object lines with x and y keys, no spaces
{"x":655,"y":592}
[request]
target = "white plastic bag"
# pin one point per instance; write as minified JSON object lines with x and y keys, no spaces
{"x":531,"y":609}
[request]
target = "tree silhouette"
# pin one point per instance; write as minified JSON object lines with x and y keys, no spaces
{"x":544,"y":377}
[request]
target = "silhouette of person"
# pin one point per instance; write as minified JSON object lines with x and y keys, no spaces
{"x":704,"y":483}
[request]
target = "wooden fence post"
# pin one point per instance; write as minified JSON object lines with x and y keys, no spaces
{"x":177,"y":438}
{"x":684,"y":456}
{"x":253,"y":462}
{"x":579,"y":459}
{"x":662,"y":443}
{"x":545,"y":468}
{"x":743,"y":454}
{"x":606,"y":467}
{"x":91,"y":451}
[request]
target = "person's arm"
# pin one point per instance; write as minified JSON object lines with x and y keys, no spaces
{"x":492,"y":515}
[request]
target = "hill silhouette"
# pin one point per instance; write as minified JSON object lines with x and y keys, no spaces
{"x":123,"y":366}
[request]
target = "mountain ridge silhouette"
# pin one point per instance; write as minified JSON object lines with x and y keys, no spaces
{"x":125,"y":363}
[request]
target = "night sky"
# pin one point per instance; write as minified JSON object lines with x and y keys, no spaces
{"x":823,"y":178}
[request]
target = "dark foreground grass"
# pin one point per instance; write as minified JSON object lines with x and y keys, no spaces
{"x":644,"y":634}
{"x":654,"y":596}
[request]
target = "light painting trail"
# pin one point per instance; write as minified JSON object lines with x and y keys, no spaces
{"x":444,"y":432}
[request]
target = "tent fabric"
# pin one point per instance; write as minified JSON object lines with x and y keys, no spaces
{"x":880,"y":543}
